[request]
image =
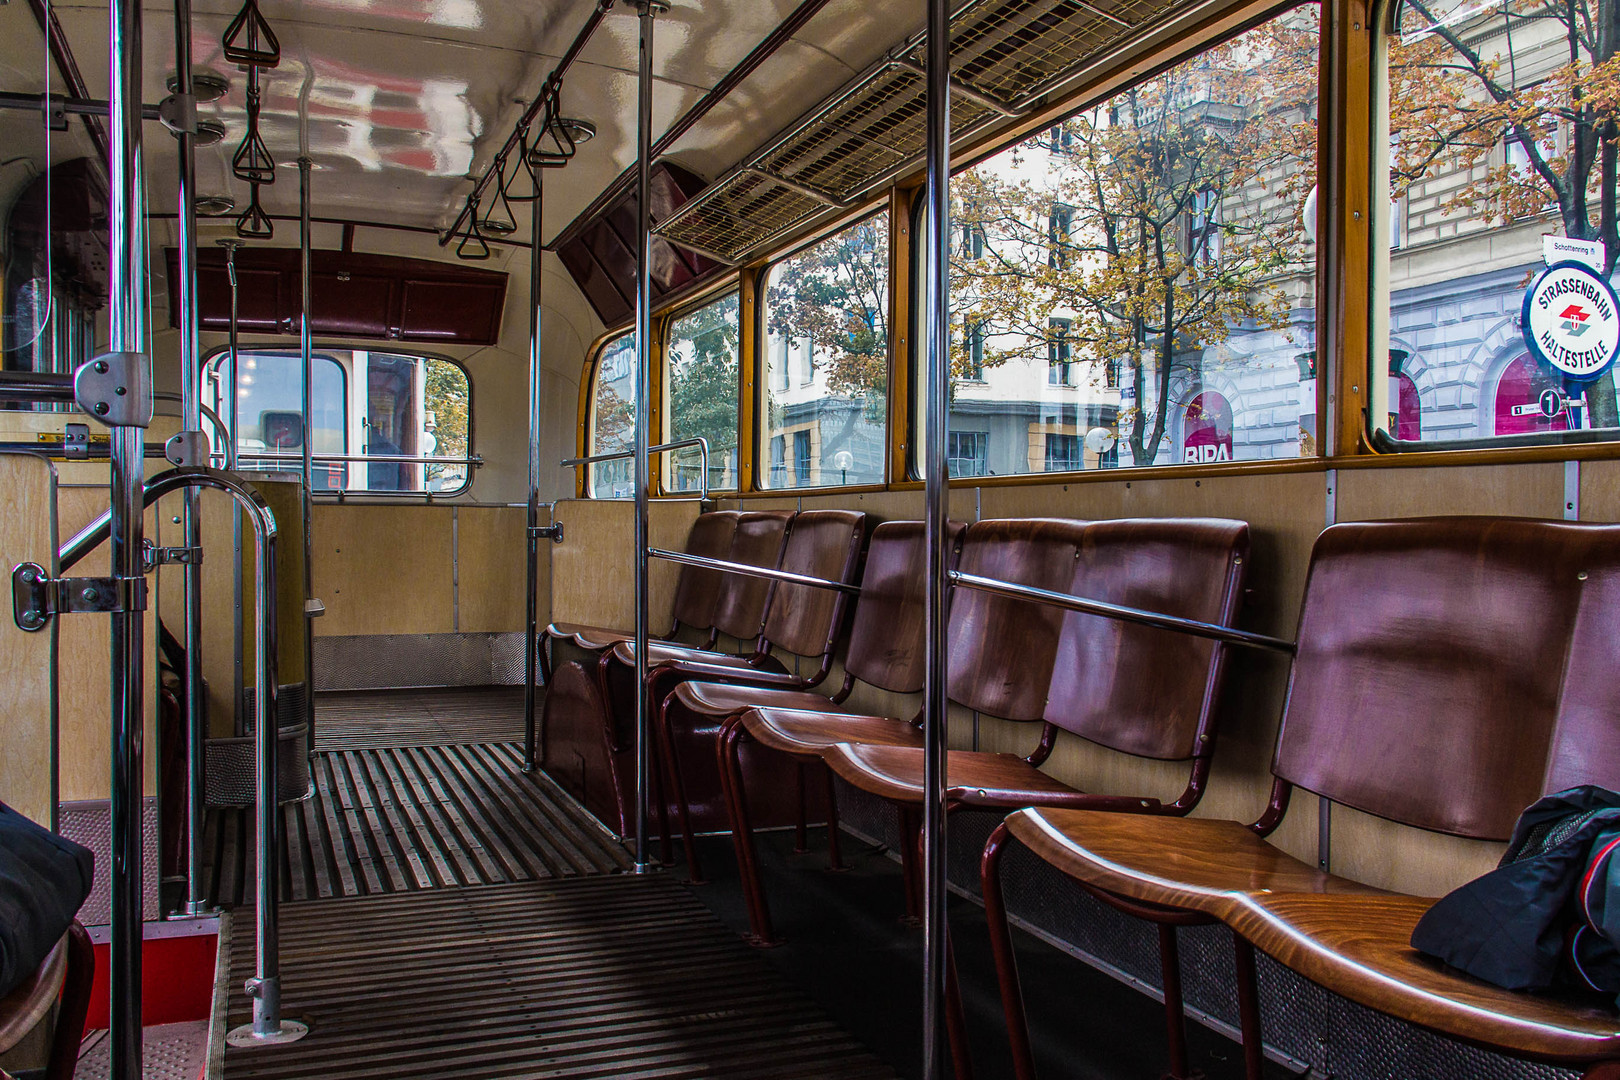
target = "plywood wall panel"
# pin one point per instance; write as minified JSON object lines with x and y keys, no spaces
{"x":1600,"y":491}
{"x":593,"y":569}
{"x":25,"y":658}
{"x":383,"y":569}
{"x":1530,"y":490}
{"x":491,"y":547}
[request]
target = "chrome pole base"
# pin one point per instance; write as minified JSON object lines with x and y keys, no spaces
{"x":289,"y":1031}
{"x":646,"y":868}
{"x":194,"y":909}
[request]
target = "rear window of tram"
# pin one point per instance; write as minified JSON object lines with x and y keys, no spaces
{"x":411,"y":407}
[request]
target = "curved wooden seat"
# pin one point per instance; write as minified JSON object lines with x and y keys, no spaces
{"x":23,"y":1008}
{"x":661,"y":653}
{"x":63,"y":977}
{"x":1419,"y":693}
{"x":1200,"y":864}
{"x":813,"y":733}
{"x":1360,"y":948}
{"x":972,"y":779}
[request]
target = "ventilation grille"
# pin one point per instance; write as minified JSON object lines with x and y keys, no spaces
{"x":1004,"y":53}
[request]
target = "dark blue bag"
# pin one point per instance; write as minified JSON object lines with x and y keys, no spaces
{"x":44,"y":879}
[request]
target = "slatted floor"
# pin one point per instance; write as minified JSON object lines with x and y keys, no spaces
{"x":405,"y":818}
{"x":369,"y":719}
{"x":619,"y":976}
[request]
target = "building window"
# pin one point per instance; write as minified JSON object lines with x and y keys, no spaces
{"x":700,"y":389}
{"x":1203,"y":230}
{"x":801,"y":457}
{"x":973,"y":240}
{"x":826,"y":316}
{"x":404,"y":407}
{"x":1064,"y":453}
{"x":1059,"y":227}
{"x":1059,"y":363}
{"x":973,"y":351}
{"x":778,"y":460}
{"x":968,"y":453}
{"x":1059,"y":139}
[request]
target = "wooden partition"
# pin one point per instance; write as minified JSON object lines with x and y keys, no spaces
{"x":593,"y":569}
{"x":26,"y":535}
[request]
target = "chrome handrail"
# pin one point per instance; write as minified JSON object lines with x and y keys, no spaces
{"x":1228,"y":635}
{"x":474,"y":460}
{"x":749,"y":570}
{"x":619,"y":455}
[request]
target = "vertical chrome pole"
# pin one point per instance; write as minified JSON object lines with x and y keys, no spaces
{"x":531,"y":611}
{"x":191,"y":424}
{"x":265,"y":986}
{"x":233,"y":388}
{"x":305,"y":349}
{"x":649,"y":12}
{"x":936,"y":330}
{"x":126,"y":286}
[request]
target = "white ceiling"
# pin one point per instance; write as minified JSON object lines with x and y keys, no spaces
{"x":396,"y":101}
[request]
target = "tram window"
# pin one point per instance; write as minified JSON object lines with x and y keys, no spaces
{"x":1492,"y":124}
{"x":1184,"y":271}
{"x":402,"y":406}
{"x":613,"y":408}
{"x":701,"y":384}
{"x":825,"y":407}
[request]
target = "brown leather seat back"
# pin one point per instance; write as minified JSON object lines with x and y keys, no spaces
{"x":1430,"y":657}
{"x":1586,"y":739}
{"x":886,"y":633}
{"x":1135,"y":688}
{"x":698,"y":588}
{"x":824,"y":544}
{"x":739,"y":610}
{"x":1001,"y":649}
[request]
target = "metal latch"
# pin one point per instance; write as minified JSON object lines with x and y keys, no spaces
{"x":552,"y":532}
{"x":313,"y":608}
{"x":36,"y":596}
{"x":153,"y":556}
{"x":76,"y":442}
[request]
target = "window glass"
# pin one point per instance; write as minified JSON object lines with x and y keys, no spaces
{"x":613,"y":420}
{"x":827,"y":350}
{"x":404,"y":407}
{"x":1497,"y":117}
{"x":702,"y":387}
{"x":1118,"y":271}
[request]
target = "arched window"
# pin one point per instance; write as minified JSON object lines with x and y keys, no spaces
{"x":1206,"y":429}
{"x":1520,"y":389}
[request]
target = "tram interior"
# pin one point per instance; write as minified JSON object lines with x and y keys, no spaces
{"x":658,"y":637}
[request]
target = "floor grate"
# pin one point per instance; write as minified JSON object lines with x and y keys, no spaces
{"x":401,"y":819}
{"x":609,"y":976}
{"x":369,"y":719}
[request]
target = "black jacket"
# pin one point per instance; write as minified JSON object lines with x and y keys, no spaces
{"x":1549,"y":914}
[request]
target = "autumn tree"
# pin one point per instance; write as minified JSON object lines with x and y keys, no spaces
{"x":447,"y":396}
{"x":835,"y":294}
{"x":703,"y":387}
{"x":1542,"y":78}
{"x":1148,"y":227}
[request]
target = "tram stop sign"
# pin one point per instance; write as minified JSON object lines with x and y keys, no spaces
{"x":1571,"y":322}
{"x":1552,"y":403}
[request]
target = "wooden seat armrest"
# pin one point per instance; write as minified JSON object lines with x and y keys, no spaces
{"x":22,"y":1010}
{"x":727,"y":673}
{"x":988,"y":799}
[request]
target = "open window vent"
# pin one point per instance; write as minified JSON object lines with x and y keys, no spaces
{"x":1005,"y":54}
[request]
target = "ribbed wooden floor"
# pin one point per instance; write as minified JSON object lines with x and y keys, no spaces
{"x":618,"y":976}
{"x":370,"y":719}
{"x":415,"y":817}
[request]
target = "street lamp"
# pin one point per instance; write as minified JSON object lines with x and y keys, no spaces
{"x":842,"y":461}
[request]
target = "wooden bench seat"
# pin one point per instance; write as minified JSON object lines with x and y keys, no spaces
{"x":813,"y":732}
{"x":1445,"y":677}
{"x":62,"y":980}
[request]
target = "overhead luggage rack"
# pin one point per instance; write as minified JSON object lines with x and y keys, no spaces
{"x":1005,"y":55}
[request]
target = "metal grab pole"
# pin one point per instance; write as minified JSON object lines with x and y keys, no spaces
{"x":306,"y":354}
{"x":936,"y":331}
{"x":233,"y":447}
{"x":190,"y":421}
{"x":531,"y":623}
{"x":126,"y":325}
{"x":649,"y":12}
